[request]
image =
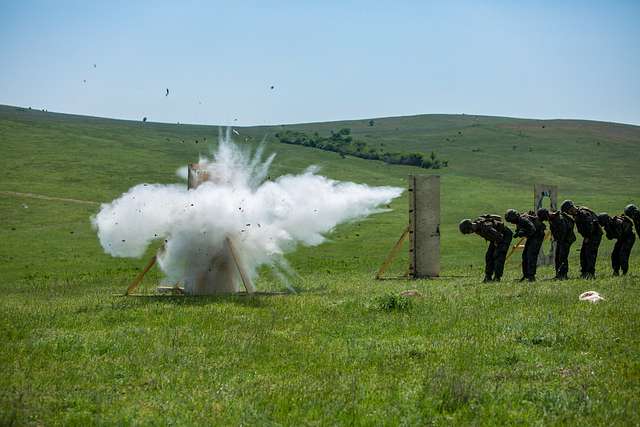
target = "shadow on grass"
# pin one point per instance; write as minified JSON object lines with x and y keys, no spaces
{"x":256,"y":299}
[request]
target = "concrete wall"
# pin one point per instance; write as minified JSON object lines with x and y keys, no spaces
{"x":546,"y":196}
{"x":424,"y":226}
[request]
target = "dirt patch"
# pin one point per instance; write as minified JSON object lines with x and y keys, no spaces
{"x":43,"y":197}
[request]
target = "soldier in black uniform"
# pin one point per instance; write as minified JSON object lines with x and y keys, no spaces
{"x":499,"y":237}
{"x":621,"y":229}
{"x":589,"y":228}
{"x":561,"y":226}
{"x":528,"y":225}
{"x":633,"y":213}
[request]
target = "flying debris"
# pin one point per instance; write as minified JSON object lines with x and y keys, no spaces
{"x":236,"y":132}
{"x":167,"y":94}
{"x":144,"y":119}
{"x":271,"y":87}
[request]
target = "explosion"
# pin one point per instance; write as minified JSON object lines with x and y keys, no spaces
{"x":265,"y":219}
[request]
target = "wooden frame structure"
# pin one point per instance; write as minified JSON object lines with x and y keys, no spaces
{"x":196,"y":176}
{"x":246,"y":279}
{"x":540,"y":193}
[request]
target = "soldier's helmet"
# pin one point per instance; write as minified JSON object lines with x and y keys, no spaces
{"x":511,"y":215}
{"x":630,"y":209}
{"x":466,"y":226}
{"x":543,"y":214}
{"x":566,"y":205}
{"x":603,"y":218}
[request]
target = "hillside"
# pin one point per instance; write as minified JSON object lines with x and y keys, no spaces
{"x":570,"y":153}
{"x":493,"y":164}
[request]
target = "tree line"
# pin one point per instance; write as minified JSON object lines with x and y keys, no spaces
{"x":342,"y":142}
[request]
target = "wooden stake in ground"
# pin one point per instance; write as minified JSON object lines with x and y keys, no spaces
{"x":392,"y":253}
{"x":140,"y":276}
{"x":246,"y":279}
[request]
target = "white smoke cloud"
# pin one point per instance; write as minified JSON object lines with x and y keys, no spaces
{"x":264,"y":219}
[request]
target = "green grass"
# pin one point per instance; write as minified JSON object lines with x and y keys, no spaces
{"x":464,"y":353}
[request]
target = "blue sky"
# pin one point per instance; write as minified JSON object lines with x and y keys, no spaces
{"x":326,"y":60}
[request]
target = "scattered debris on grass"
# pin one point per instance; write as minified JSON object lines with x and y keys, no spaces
{"x":591,"y":296}
{"x":411,"y":293}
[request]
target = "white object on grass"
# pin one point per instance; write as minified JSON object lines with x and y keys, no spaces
{"x":410,"y":293}
{"x":591,"y":296}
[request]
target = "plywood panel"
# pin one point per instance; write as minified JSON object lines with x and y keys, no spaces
{"x":543,"y":194}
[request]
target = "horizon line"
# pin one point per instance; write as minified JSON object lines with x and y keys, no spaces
{"x":41,"y":110}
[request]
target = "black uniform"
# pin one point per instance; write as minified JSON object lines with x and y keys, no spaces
{"x":561,"y":226}
{"x":529,"y":226}
{"x":621,"y":229}
{"x":589,"y":229}
{"x":635,"y":217}
{"x":493,"y":230}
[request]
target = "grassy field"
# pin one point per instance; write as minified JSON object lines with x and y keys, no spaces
{"x":74,"y":353}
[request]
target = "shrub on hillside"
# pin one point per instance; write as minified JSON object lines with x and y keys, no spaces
{"x":342,"y":142}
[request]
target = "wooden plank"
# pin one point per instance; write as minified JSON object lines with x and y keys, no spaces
{"x":196,"y":175}
{"x":246,"y":279}
{"x":518,"y":245}
{"x":140,"y":276}
{"x":392,"y":253}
